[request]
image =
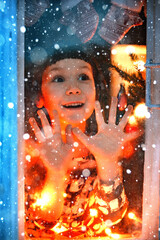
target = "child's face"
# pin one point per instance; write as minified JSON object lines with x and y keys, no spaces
{"x":68,"y":87}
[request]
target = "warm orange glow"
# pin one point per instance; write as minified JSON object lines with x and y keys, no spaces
{"x":112,"y":235}
{"x":130,"y":49}
{"x":38,"y":225}
{"x":131,"y":215}
{"x":120,"y":56}
{"x":93,"y":212}
{"x":128,"y":150}
{"x":132,"y":120}
{"x":64,"y":195}
{"x":115,"y":236}
{"x":58,"y":228}
{"x":43,"y":199}
{"x":141,"y":111}
{"x":140,"y":65}
{"x":108,"y":231}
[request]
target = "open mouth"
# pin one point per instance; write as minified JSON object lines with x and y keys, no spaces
{"x":73,"y":105}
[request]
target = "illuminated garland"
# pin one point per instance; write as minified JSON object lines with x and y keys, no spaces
{"x":136,"y":81}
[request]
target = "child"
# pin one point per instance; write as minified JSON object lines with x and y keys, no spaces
{"x":74,"y":182}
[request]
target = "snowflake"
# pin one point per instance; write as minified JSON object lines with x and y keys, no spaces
{"x":75,"y":144}
{"x":86,"y":172}
{"x":11,"y":105}
{"x":23,"y":29}
{"x":26,"y":136}
{"x":56,"y":46}
{"x":128,"y":171}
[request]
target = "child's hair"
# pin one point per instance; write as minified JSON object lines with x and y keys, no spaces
{"x":99,"y":60}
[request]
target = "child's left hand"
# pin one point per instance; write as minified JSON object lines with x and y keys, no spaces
{"x":107,"y":144}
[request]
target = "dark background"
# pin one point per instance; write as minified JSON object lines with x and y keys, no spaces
{"x":49,"y":31}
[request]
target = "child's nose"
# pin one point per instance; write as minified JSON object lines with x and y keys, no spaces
{"x":73,"y":90}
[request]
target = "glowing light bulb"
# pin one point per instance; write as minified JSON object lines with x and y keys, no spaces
{"x":108,"y":231}
{"x":132,"y":120}
{"x":46,"y":198}
{"x":28,"y":158}
{"x":58,"y":228}
{"x":64,"y":195}
{"x":115,"y":236}
{"x":140,"y":65}
{"x":131,"y":215}
{"x":93,"y":212}
{"x":141,"y":111}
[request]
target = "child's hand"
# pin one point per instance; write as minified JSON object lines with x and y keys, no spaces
{"x":107,"y":144}
{"x":53,"y":151}
{"x":55,"y":155}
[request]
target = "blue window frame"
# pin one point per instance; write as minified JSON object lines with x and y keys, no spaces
{"x":8,"y":121}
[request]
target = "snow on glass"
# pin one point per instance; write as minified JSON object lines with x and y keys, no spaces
{"x":48,"y":35}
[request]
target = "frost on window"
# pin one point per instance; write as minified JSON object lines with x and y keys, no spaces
{"x":84,"y":119}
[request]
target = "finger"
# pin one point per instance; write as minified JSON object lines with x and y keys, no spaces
{"x":99,"y":116}
{"x":39,"y":135}
{"x":69,"y":136}
{"x":87,"y":141}
{"x":56,"y":122}
{"x":46,"y":126}
{"x":113,"y":110}
{"x":124,"y":120}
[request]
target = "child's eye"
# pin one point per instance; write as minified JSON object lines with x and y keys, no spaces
{"x":83,"y":77}
{"x":58,"y":79}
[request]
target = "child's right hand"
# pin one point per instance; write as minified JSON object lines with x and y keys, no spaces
{"x":54,"y":152}
{"x":55,"y":155}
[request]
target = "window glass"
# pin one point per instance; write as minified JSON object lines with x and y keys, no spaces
{"x":84,"y":118}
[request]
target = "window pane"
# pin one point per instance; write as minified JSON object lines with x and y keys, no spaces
{"x":85,"y":182}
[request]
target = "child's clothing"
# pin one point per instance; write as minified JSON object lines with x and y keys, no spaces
{"x":90,"y":205}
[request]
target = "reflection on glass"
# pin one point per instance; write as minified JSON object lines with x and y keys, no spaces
{"x":83,"y":147}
